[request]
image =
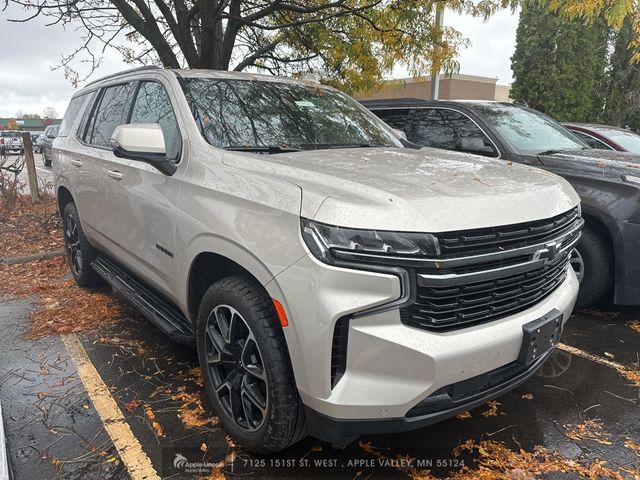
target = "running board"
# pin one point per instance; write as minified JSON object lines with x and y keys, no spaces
{"x":166,"y":316}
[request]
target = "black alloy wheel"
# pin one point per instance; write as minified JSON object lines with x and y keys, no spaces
{"x":236,"y":367}
{"x":72,"y":244}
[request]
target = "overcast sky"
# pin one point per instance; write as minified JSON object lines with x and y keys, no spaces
{"x":30,"y":50}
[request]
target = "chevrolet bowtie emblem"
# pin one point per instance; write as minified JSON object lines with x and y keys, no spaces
{"x":548,"y":253}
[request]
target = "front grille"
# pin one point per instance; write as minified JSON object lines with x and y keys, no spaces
{"x":443,"y":308}
{"x":495,"y":239}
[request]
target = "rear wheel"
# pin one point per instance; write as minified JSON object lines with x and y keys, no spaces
{"x":246,"y":366}
{"x":595,"y":258}
{"x":80,"y":253}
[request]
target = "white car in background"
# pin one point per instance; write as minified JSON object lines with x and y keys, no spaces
{"x":10,"y":141}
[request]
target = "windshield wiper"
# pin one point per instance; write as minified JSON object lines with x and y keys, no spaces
{"x":358,"y":145}
{"x":549,"y":152}
{"x":259,"y":148}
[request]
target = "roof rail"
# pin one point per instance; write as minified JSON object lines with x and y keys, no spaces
{"x":131,"y":70}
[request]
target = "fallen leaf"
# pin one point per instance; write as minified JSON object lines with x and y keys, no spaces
{"x":634,"y":325}
{"x":132,"y":406}
{"x":157,"y":428}
{"x":463,"y":415}
{"x":631,"y":445}
{"x":527,"y":396}
{"x":590,"y":429}
{"x":610,"y":355}
{"x":492,"y":411}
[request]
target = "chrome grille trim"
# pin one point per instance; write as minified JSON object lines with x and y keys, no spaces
{"x":452,"y":293}
{"x":463,"y":305}
{"x":425,"y":280}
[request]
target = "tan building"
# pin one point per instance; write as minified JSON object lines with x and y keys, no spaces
{"x":455,"y":87}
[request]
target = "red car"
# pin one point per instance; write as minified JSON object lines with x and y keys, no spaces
{"x":606,"y":137}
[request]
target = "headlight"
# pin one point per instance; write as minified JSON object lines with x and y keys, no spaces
{"x":328,"y":242}
{"x":631,"y":179}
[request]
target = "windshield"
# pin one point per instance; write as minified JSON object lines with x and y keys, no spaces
{"x":274,"y":116}
{"x":629,"y":140}
{"x":528,"y":131}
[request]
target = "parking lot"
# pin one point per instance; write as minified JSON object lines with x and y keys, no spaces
{"x":122,"y":401}
{"x":58,"y":420}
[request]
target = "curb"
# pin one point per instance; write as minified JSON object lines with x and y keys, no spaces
{"x":31,"y":258}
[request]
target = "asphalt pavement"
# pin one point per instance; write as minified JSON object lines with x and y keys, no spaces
{"x":55,"y":426}
{"x":45,"y":174}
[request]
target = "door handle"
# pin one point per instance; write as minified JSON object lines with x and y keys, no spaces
{"x":76,"y":163}
{"x":115,"y":174}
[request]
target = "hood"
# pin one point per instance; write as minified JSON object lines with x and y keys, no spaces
{"x":424,"y":190}
{"x":607,"y":163}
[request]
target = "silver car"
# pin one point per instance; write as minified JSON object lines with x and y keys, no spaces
{"x":335,"y":281}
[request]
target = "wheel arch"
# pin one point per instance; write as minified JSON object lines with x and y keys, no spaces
{"x":207,"y":267}
{"x":63,"y":196}
{"x":606,"y":227}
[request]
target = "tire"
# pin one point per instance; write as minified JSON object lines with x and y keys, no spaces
{"x":230,"y":305}
{"x":45,"y":160}
{"x":80,"y":253}
{"x":598,"y":268}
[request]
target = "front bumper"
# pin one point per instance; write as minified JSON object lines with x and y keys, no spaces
{"x":432,"y":409}
{"x":390,"y":367}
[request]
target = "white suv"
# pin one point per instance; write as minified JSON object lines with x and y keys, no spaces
{"x":334,"y":282}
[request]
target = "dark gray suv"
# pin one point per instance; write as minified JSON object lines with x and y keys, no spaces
{"x":608,"y":257}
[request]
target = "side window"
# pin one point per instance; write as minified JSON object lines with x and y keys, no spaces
{"x":591,"y":141}
{"x":108,"y":115}
{"x":452,"y":130}
{"x":152,"y":105}
{"x":70,"y":115}
{"x":400,"y":119}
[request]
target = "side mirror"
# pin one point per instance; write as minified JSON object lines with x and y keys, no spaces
{"x":51,"y":136}
{"x":400,"y":133}
{"x":143,"y":142}
{"x":473,"y":145}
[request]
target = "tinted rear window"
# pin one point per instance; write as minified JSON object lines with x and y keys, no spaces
{"x":109,"y":114}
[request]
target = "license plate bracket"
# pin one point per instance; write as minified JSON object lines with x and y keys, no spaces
{"x":540,"y":336}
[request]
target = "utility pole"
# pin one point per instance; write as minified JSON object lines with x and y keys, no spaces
{"x":27,"y":148}
{"x":435,"y":68}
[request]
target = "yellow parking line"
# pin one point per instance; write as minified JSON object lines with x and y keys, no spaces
{"x":591,"y":356}
{"x":133,"y":456}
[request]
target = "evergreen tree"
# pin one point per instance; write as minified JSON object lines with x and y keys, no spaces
{"x":559,"y":64}
{"x":622,"y":106}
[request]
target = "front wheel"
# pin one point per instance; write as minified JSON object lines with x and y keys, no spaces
{"x":80,"y":253}
{"x":593,"y":263}
{"x":45,"y":160}
{"x":246,"y":367}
